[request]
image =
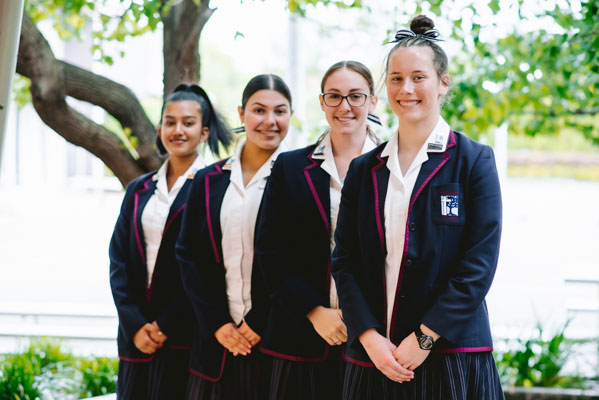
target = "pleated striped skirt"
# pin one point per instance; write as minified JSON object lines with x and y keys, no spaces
{"x":162,"y":378}
{"x":243,"y":378}
{"x":296,"y":380}
{"x":454,"y":376}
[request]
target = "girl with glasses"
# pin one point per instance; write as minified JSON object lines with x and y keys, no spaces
{"x":155,"y":317}
{"x":305,"y":327}
{"x":216,"y":252}
{"x":417,"y":244}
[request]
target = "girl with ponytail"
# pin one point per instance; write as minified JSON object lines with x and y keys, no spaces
{"x":155,"y":317}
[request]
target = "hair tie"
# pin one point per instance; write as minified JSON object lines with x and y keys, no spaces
{"x":374,"y":118}
{"x":239,"y":129}
{"x":432,"y":35}
{"x":196,"y":89}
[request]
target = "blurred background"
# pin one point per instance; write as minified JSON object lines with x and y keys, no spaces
{"x":525,"y":80}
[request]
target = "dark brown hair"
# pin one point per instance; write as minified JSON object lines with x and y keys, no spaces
{"x":265,"y":82}
{"x":219,"y":132}
{"x":355,"y":66}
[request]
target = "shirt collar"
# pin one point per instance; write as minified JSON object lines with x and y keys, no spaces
{"x":234,"y":165}
{"x":324,"y":151}
{"x":436,"y":142}
{"x":197,"y":164}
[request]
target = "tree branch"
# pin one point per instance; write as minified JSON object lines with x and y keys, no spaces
{"x":120,"y":102}
{"x":48,"y":91}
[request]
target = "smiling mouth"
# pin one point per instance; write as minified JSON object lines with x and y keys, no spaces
{"x":408,"y":103}
{"x":345,"y":119}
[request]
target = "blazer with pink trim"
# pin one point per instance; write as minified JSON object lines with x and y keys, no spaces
{"x":200,"y":255}
{"x":293,"y":252}
{"x":164,"y":301}
{"x":449,"y":257}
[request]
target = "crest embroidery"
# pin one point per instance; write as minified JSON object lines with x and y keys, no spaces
{"x":449,"y":205}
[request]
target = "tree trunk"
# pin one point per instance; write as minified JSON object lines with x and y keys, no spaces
{"x":182,"y":29}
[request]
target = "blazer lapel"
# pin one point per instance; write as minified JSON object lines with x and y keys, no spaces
{"x":319,"y":183}
{"x":216,"y":184}
{"x":178,"y":205}
{"x":430,"y":168}
{"x":380,"y":182}
{"x":141,"y":199}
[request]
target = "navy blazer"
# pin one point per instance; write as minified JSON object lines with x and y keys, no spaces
{"x":164,"y":301}
{"x":449,"y":258}
{"x":200,"y":254}
{"x":293,"y":252}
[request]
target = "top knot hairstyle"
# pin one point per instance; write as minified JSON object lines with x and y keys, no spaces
{"x":211,"y":119}
{"x":422,"y":32}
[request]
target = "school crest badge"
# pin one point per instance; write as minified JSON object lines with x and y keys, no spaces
{"x":449,"y":205}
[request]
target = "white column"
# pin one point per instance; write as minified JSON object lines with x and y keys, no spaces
{"x":11,"y":14}
{"x":297,"y":80}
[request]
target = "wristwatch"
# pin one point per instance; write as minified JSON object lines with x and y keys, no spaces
{"x":425,"y":342}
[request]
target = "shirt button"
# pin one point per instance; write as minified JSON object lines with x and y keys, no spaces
{"x":412,"y":226}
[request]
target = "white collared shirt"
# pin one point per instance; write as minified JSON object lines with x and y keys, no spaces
{"x":238,"y":215}
{"x":154,"y":215}
{"x":324,"y":151}
{"x":397,"y":202}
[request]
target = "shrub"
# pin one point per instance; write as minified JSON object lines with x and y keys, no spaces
{"x":46,"y":371}
{"x":539,"y":362}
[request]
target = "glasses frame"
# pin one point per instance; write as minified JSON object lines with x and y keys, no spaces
{"x":346,"y":98}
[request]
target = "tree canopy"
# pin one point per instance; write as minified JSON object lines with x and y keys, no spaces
{"x":539,"y":73}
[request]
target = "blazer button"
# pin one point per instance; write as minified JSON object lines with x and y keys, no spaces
{"x":403,"y":299}
{"x":412,"y":226}
{"x":408,"y":262}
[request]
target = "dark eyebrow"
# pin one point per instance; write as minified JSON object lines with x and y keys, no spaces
{"x":413,"y":72}
{"x":350,"y":90}
{"x":185,"y":116}
{"x":265,"y":106}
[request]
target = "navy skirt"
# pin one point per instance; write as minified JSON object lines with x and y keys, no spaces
{"x":453,"y":376}
{"x":243,"y":378}
{"x":298,"y":380}
{"x":162,"y":378}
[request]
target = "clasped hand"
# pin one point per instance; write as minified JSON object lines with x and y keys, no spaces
{"x":237,"y":340}
{"x":149,"y":338}
{"x":395,"y":362}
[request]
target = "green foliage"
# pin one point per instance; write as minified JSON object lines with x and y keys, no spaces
{"x":46,"y":370}
{"x":300,"y":6}
{"x":69,"y":17}
{"x":99,"y":376}
{"x":538,"y":361}
{"x":20,"y":89}
{"x":540,"y":81}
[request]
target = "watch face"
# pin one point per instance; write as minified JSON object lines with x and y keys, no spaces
{"x":425,"y":342}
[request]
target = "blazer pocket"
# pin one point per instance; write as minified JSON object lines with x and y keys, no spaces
{"x":448,"y":204}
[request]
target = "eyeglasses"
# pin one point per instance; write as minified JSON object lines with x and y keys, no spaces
{"x":353,"y":99}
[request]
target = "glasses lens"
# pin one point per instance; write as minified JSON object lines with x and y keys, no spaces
{"x":332,"y":99}
{"x":356,"y":99}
